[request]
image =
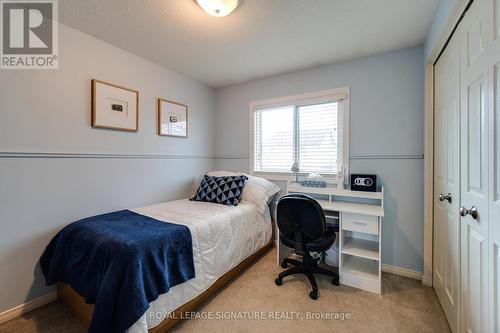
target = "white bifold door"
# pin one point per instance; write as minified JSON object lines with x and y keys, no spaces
{"x":474,"y":33}
{"x":446,"y":277}
{"x":467,"y":173}
{"x":494,"y":168}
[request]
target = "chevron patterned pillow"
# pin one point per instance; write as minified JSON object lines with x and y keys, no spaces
{"x":222,"y":190}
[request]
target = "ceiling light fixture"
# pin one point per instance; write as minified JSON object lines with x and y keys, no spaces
{"x":218,"y":7}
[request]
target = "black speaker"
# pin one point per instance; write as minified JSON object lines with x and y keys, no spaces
{"x":367,"y":183}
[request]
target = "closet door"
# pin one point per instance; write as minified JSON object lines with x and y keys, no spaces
{"x":474,"y":167}
{"x":494,"y":174}
{"x":446,"y":277}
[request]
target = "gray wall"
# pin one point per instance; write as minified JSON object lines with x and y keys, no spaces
{"x":49,"y":112}
{"x":386,"y":134}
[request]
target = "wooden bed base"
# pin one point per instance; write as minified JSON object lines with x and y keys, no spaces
{"x":83,"y":311}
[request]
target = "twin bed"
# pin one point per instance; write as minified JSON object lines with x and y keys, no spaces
{"x":223,"y":236}
{"x":225,"y":239}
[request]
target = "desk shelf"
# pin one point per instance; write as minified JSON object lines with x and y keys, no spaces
{"x":362,"y":268}
{"x":352,"y":207}
{"x":361,"y":248}
{"x":334,"y":191}
{"x":361,"y":273}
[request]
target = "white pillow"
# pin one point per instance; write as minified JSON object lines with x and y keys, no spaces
{"x":258,"y":191}
{"x":270,"y":187}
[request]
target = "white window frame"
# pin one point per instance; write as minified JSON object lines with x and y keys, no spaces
{"x":338,"y":94}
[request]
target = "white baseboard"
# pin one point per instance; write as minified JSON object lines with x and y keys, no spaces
{"x":402,"y":271}
{"x":427,"y":281}
{"x":26,"y":307}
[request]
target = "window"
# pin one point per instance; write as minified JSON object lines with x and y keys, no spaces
{"x":309,"y":129}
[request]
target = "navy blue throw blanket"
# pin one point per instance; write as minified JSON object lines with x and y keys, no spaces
{"x":120,"y":262}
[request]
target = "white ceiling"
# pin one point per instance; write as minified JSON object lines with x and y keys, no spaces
{"x":260,"y":38}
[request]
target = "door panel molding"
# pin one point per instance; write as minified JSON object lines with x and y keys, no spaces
{"x":474,"y":281}
{"x":473,"y":122}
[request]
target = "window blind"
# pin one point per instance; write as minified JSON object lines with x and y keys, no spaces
{"x":318,"y":139}
{"x":274,"y":139}
{"x":308,"y":134}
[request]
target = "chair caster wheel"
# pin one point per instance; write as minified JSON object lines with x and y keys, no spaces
{"x":335,"y":281}
{"x":283,"y":264}
{"x":278,"y":282}
{"x":314,"y":294}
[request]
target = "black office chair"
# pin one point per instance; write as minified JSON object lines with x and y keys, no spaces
{"x":302,"y":226}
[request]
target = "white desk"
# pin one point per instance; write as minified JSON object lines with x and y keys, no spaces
{"x":360,"y":234}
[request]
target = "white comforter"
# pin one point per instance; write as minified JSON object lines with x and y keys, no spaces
{"x":223,"y":236}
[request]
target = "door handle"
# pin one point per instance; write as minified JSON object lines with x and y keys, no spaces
{"x":472,"y":212}
{"x":443,"y":197}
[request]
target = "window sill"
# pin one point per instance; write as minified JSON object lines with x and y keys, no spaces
{"x":276,"y":176}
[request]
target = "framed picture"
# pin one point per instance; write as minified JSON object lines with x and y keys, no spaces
{"x":114,"y":107}
{"x":172,"y":118}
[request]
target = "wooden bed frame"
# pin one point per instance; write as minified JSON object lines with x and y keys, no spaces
{"x":83,"y":311}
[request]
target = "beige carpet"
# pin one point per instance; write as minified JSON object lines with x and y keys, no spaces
{"x":405,"y":306}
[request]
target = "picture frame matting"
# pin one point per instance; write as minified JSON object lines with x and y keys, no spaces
{"x":172,"y":118}
{"x":114,"y":107}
